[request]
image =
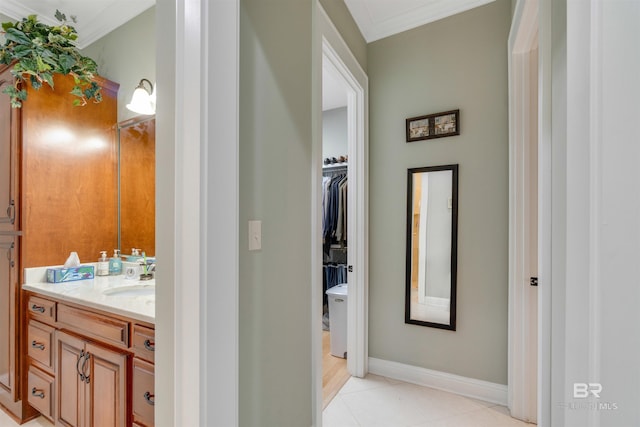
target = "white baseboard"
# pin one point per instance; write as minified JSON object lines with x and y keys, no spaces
{"x":470,"y":387}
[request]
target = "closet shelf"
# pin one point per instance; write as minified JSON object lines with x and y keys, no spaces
{"x":335,"y":166}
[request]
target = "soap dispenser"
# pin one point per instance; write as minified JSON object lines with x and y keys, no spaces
{"x":103,"y":264}
{"x":115,"y":263}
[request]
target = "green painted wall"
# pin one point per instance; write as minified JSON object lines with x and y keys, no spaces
{"x":126,"y":55}
{"x":458,"y":62}
{"x":275,"y":183}
{"x":348,"y":29}
{"x":4,"y":18}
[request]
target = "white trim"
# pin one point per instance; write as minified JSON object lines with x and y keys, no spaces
{"x":596,"y":200}
{"x":357,"y":235}
{"x":544,"y":213}
{"x":188,"y":339}
{"x":220,"y":219}
{"x":333,"y":52}
{"x":523,"y":84}
{"x":464,"y":386}
{"x":197,"y":321}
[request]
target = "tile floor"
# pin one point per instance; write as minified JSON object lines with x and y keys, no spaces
{"x":379,"y":401}
{"x":6,"y":421}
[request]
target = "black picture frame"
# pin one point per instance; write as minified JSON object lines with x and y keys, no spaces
{"x":432,"y":126}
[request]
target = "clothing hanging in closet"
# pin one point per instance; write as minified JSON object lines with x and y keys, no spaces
{"x":334,"y":209}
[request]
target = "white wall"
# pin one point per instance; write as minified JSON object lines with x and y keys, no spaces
{"x":126,"y":55}
{"x":334,"y":133}
{"x":438,"y":231}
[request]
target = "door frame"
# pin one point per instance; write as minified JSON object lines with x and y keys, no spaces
{"x":523,"y":132}
{"x":331,"y":47}
{"x":197,"y":146}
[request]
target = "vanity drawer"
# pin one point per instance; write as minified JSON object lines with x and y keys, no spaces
{"x":144,"y":342}
{"x":40,"y":391}
{"x":42,"y":309}
{"x":143,"y":392}
{"x":40,"y":337}
{"x":104,"y":328}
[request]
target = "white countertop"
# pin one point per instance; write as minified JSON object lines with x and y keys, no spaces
{"x":97,"y":293}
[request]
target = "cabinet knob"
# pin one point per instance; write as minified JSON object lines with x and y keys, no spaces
{"x":37,"y":393}
{"x":149,"y":345}
{"x":150,"y":398}
{"x":37,"y":345}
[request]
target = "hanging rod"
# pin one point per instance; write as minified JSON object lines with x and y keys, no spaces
{"x":334,"y":168}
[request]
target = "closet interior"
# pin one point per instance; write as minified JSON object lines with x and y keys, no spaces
{"x":335,"y":185}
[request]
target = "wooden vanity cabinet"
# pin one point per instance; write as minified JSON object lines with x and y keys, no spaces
{"x":87,"y":367}
{"x":91,"y":382}
{"x":57,"y":163}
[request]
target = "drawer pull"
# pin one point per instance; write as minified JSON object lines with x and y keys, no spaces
{"x":84,"y":363}
{"x":38,"y":308}
{"x":149,"y":345}
{"x":37,"y":345}
{"x":36,"y":393}
{"x":150,"y":398}
{"x":78,"y":365}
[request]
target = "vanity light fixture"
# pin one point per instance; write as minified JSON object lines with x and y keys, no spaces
{"x":143,"y":100}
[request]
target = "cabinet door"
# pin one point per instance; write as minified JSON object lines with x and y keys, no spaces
{"x":143,"y":392}
{"x":8,"y":321}
{"x":106,"y":387}
{"x":8,"y":157}
{"x":70,"y":396}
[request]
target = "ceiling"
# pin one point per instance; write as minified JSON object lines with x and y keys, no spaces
{"x":334,"y":90}
{"x":382,"y":18}
{"x":375,"y":18}
{"x":95,"y":18}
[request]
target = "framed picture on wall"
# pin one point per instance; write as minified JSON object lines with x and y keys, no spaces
{"x":433,"y":126}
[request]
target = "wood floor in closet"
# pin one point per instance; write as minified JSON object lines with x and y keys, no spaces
{"x":334,"y":371}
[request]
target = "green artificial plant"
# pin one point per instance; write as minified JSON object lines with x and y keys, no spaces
{"x":39,"y":51}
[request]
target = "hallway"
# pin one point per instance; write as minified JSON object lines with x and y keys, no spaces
{"x":380,"y":401}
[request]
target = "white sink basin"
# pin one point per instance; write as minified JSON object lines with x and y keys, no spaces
{"x":131,"y":290}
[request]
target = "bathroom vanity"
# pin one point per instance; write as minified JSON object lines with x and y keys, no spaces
{"x":90,"y":350}
{"x":58,"y":193}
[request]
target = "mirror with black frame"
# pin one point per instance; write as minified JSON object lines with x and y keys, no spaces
{"x":432,"y":228}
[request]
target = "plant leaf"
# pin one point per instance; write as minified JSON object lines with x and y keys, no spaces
{"x":35,"y":83}
{"x":60,"y":16}
{"x":17,"y":36}
{"x":47,"y":77}
{"x":66,"y":62}
{"x":76,"y":91}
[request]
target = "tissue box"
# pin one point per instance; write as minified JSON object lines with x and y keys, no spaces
{"x":57,"y":275}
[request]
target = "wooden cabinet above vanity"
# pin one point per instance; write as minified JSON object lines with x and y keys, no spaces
{"x":88,"y":366}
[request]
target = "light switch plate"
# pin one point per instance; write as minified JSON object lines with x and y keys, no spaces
{"x":255,"y":235}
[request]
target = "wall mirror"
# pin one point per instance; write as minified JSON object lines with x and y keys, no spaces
{"x":432,"y":222}
{"x":137,"y":189}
